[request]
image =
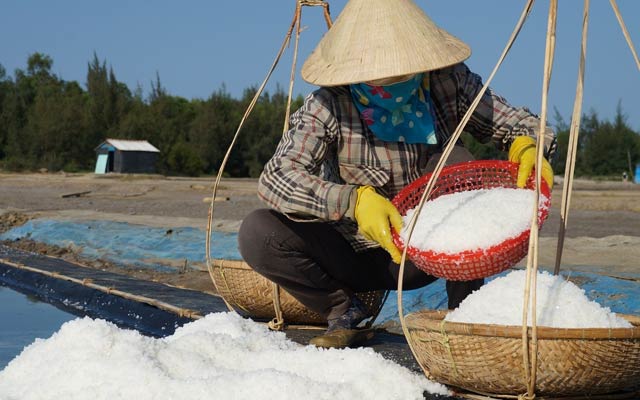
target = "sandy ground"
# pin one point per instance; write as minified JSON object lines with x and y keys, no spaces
{"x":603,"y":224}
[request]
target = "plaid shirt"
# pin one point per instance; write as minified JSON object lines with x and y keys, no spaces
{"x":329,"y":151}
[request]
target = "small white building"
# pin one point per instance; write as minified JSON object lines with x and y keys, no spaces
{"x":126,"y":156}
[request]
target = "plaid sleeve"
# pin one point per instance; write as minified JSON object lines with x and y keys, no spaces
{"x":291,"y":181}
{"x":494,"y":118}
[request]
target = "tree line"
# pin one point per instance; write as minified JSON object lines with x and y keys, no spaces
{"x":605,"y":148}
{"x":47,"y":122}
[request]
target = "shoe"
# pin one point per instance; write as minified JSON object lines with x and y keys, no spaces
{"x":342,"y":338}
{"x":355,"y":314}
{"x":342,"y":331}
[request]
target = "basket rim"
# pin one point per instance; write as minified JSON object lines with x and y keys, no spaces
{"x":434,"y":320}
{"x":231,"y":264}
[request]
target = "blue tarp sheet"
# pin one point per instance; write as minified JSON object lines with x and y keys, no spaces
{"x":140,"y":245}
{"x":126,"y":243}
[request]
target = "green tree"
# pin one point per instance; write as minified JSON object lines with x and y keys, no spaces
{"x":57,"y":120}
{"x":172,"y":119}
{"x":48,"y":122}
{"x":482,"y":151}
{"x":183,"y":159}
{"x":21,"y":143}
{"x":608,"y":146}
{"x":212,"y":131}
{"x":6,"y":88}
{"x":39,"y":68}
{"x":264,"y":128}
{"x":559,"y":160}
{"x":100,"y":105}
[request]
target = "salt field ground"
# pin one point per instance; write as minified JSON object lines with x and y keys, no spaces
{"x":603,"y":224}
{"x":603,"y":237}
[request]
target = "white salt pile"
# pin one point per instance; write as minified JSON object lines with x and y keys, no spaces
{"x":560,"y":304}
{"x":221,"y":356}
{"x":470,"y":220}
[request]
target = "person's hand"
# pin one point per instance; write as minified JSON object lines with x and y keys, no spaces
{"x":374,"y":215}
{"x":523,"y":151}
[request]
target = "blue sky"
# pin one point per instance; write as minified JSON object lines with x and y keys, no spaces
{"x":197,"y":46}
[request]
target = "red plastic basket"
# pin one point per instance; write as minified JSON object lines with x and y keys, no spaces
{"x":479,"y":263}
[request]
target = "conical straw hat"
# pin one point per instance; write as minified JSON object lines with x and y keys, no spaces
{"x":374,"y":39}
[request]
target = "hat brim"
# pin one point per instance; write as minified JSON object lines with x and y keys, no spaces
{"x":375,"y":39}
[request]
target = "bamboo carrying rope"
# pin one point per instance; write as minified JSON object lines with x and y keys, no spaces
{"x":296,"y":19}
{"x":572,"y":150}
{"x":575,"y":125}
{"x":278,"y":322}
{"x":445,"y":154}
{"x":530,"y":366}
{"x":614,"y":5}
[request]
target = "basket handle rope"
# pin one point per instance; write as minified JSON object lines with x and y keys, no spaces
{"x":296,"y":21}
{"x":276,"y":324}
{"x":575,"y":123}
{"x":575,"y":126}
{"x":445,"y":154}
{"x":614,"y":5}
{"x":572,"y":148}
{"x":530,"y":363}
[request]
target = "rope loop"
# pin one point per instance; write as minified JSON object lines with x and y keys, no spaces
{"x":276,"y":324}
{"x":312,"y":3}
{"x":447,"y":345}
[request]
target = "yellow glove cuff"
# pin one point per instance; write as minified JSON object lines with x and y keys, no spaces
{"x":522,"y":151}
{"x":518,"y":146}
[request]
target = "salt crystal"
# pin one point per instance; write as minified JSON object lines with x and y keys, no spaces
{"x":221,"y":356}
{"x":559,"y":304}
{"x":470,"y":220}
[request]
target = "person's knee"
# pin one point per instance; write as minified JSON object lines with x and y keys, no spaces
{"x":252,"y":237}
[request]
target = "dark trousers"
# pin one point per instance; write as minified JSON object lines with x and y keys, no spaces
{"x":316,"y":264}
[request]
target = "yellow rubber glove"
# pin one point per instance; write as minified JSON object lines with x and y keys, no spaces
{"x":523,"y":151}
{"x":374,"y":215}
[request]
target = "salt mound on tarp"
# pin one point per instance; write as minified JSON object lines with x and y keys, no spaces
{"x":559,"y":303}
{"x":221,"y":356}
{"x":470,"y":220}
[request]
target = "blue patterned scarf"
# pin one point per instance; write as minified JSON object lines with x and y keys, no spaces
{"x":400,"y":112}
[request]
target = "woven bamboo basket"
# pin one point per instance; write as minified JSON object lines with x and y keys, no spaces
{"x":488,"y":359}
{"x":252,"y":295}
